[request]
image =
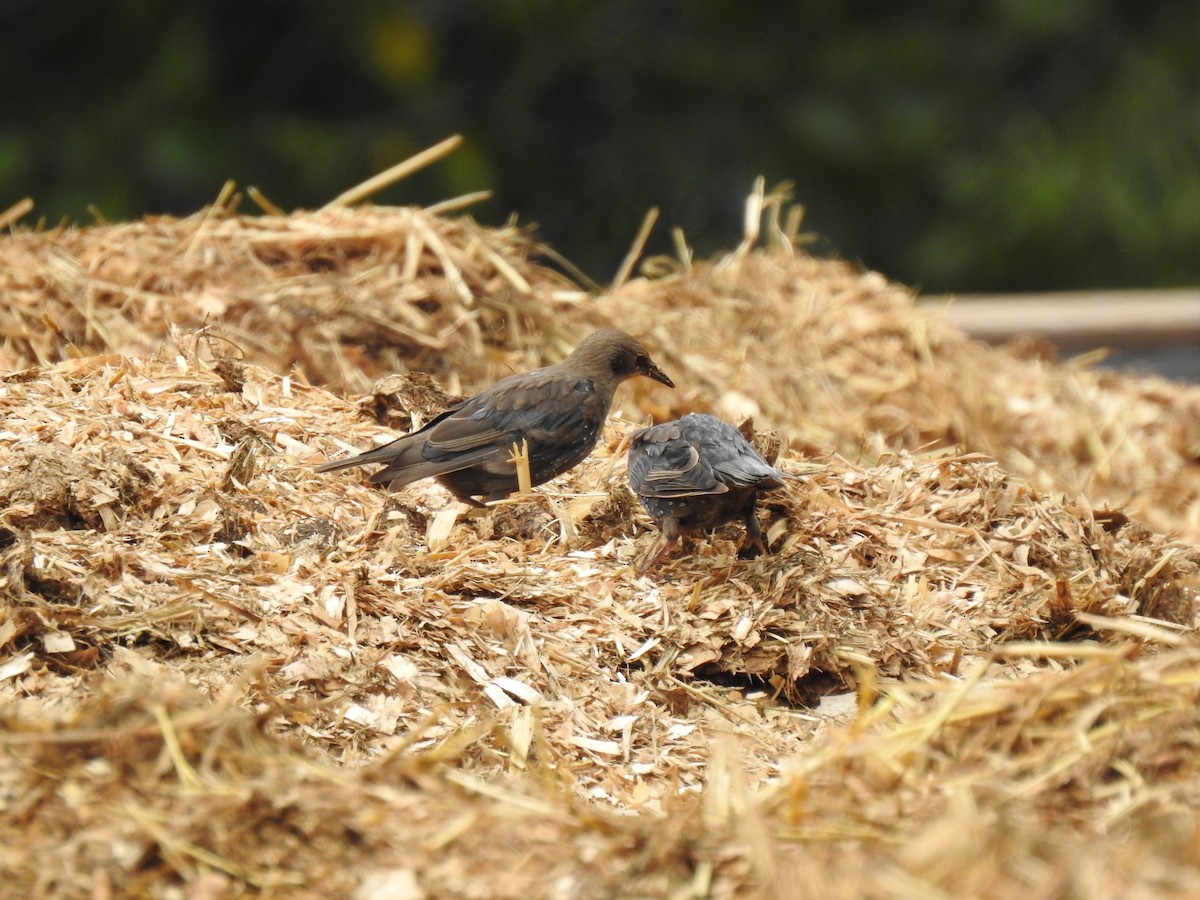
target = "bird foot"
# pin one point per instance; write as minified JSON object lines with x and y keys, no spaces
{"x":650,"y":564}
{"x":753,"y":549}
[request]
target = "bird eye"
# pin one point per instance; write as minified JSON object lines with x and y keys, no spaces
{"x":642,"y":361}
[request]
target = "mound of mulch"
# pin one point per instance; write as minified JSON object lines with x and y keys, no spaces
{"x":220,"y":671}
{"x":831,"y":357}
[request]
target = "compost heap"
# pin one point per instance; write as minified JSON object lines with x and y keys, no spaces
{"x":968,"y":666}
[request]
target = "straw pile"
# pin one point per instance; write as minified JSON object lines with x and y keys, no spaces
{"x":221,"y":672}
{"x":342,"y":296}
{"x":833,"y":358}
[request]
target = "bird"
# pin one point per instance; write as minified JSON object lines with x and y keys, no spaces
{"x":698,"y":472}
{"x":558,"y":410}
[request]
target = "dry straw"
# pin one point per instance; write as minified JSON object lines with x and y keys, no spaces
{"x":222,"y":672}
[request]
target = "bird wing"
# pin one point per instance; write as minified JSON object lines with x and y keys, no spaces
{"x":743,"y":467}
{"x":558,"y":412}
{"x":663,"y":463}
{"x":733,"y":460}
{"x":542,"y":407}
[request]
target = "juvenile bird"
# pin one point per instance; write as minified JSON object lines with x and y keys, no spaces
{"x":559,"y":410}
{"x":698,"y":472}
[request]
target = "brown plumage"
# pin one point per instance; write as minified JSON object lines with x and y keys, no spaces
{"x":560,"y":410}
{"x":698,"y":472}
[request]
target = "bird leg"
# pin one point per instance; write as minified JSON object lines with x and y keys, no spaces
{"x":646,"y":567}
{"x":755,"y":545}
{"x":520,"y":459}
{"x":671,"y":532}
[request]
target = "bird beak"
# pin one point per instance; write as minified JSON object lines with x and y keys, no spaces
{"x":659,"y":375}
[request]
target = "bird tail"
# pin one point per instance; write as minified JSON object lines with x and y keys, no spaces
{"x":384,"y":453}
{"x":332,"y":465}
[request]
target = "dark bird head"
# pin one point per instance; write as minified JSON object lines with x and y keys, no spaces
{"x":612,"y":354}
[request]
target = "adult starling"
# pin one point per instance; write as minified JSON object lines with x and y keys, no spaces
{"x":559,"y":410}
{"x":698,"y":472}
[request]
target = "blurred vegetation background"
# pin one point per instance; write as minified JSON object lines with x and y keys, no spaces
{"x":986,"y":146}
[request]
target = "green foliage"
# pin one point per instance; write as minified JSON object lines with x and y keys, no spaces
{"x":981,"y":146}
